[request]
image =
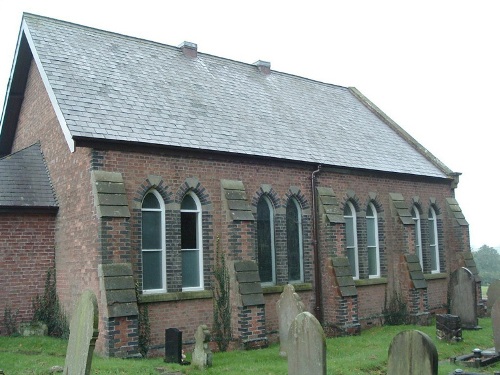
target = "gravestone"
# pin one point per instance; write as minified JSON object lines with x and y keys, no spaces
{"x":288,"y":307}
{"x":495,"y":322}
{"x":493,"y":294}
{"x":462,"y":297}
{"x":448,"y":327}
{"x":83,"y":332}
{"x":306,"y":347}
{"x":412,"y":352}
{"x":202,"y":355}
{"x":173,"y":345}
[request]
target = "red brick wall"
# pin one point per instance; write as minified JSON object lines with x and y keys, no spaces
{"x":437,"y":295}
{"x":26,"y":253}
{"x":76,"y":228}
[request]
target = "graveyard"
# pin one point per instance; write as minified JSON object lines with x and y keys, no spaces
{"x":363,"y":354}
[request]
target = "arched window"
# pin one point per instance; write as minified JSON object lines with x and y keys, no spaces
{"x":153,"y":243}
{"x":294,"y":241}
{"x":418,"y":234}
{"x":372,"y":241}
{"x":191,"y":243}
{"x":265,"y":241}
{"x":433,"y":241}
{"x":351,"y":238}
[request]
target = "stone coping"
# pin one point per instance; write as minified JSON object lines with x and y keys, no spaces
{"x":368,"y":282}
{"x":175,"y":296}
{"x":434,"y":276}
{"x":299,"y":287}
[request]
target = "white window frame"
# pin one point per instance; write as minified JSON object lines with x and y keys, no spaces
{"x":273,"y":249}
{"x":352,"y":217}
{"x":199,"y":242}
{"x":301,"y":250}
{"x":163,"y":247}
{"x":415,"y":213}
{"x":374,"y":217}
{"x":434,"y":247}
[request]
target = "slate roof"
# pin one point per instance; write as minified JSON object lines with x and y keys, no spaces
{"x":25,"y":180}
{"x":108,"y":86}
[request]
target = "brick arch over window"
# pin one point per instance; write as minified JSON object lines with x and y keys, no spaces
{"x":192,"y":184}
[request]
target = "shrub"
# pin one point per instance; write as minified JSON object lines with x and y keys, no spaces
{"x":10,"y":321}
{"x":395,"y":311}
{"x":222,"y":307}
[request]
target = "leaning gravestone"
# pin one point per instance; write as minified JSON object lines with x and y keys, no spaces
{"x":493,"y":294}
{"x":462,"y":297}
{"x":306,"y":346}
{"x":495,"y":321}
{"x":289,"y":306}
{"x":83,"y":332}
{"x":202,"y":355}
{"x":412,"y":352}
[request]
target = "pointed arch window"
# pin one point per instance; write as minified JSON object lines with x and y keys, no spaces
{"x":433,"y":241}
{"x":294,"y":241}
{"x":351,"y":238}
{"x":265,"y":241}
{"x":418,"y":234}
{"x":153,"y":243}
{"x":372,"y":244}
{"x":191,"y":243}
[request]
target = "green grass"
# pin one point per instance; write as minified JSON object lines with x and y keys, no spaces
{"x":364,"y":354}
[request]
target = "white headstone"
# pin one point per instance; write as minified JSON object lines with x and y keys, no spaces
{"x":288,"y":307}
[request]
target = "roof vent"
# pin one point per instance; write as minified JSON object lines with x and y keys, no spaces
{"x":189,"y":49}
{"x":264,"y":66}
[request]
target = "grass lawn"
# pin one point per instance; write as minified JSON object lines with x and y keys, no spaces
{"x":364,"y":354}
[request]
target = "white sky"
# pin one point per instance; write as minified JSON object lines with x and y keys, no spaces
{"x":432,"y":66}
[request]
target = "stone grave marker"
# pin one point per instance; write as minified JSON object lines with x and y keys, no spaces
{"x":202,"y":355}
{"x":289,"y":306}
{"x":83,"y":332}
{"x":306,"y":347}
{"x":495,"y":322}
{"x":173,"y":345}
{"x":493,"y":294}
{"x":412,"y":352}
{"x":448,"y":327}
{"x":462,"y":297}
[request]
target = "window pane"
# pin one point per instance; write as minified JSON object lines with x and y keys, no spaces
{"x":352,"y":261}
{"x":189,"y":231}
{"x":433,"y":258}
{"x":188,"y":203}
{"x":190,"y":268}
{"x":349,"y":232}
{"x":151,"y":270}
{"x":432,"y":237}
{"x":293,"y":241}
{"x":150,"y":201}
{"x":370,"y":232}
{"x":372,"y":261}
{"x":369,"y":211}
{"x":264,"y":246}
{"x":151,"y":230}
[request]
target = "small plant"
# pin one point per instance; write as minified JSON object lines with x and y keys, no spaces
{"x":10,"y":318}
{"x":222,"y":307}
{"x":395,"y":311}
{"x":48,"y":309}
{"x":144,"y":327}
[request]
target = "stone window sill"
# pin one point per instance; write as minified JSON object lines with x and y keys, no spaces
{"x":176,"y":296}
{"x":434,"y":276}
{"x":367,"y":282}
{"x":299,"y":287}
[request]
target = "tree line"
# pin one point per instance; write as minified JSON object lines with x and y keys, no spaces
{"x":487,"y":261}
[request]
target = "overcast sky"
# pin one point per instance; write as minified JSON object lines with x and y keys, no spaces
{"x":433,"y":66}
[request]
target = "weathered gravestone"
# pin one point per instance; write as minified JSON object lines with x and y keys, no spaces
{"x":83,"y":332}
{"x":495,"y":321}
{"x":462,"y":297}
{"x":202,"y":355}
{"x":412,"y":352}
{"x":173,"y":345}
{"x":306,"y":347}
{"x":448,"y":327}
{"x":289,"y":306}
{"x":493,"y":294}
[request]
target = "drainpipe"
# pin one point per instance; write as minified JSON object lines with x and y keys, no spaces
{"x":318,"y":308}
